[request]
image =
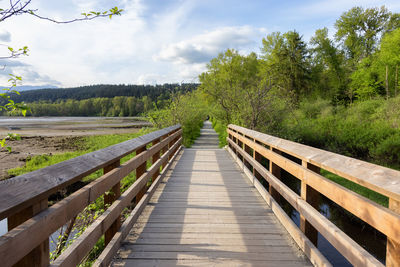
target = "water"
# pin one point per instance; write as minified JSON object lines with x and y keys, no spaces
{"x":52,"y":239}
{"x":369,"y":238}
{"x":6,"y":121}
{"x":59,"y":126}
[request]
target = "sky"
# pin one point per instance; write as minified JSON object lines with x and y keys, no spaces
{"x":153,"y":41}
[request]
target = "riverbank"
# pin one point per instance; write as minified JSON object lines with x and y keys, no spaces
{"x":28,"y":147}
{"x":69,"y":126}
{"x":52,"y":136}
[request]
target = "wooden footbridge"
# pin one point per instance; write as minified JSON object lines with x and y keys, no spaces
{"x":199,"y":206}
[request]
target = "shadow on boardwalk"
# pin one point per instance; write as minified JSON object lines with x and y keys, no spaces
{"x":206,"y":213}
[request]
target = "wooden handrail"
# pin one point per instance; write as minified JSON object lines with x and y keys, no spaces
{"x":19,"y":192}
{"x":377,"y":178}
{"x":383,"y":180}
{"x":33,"y":233}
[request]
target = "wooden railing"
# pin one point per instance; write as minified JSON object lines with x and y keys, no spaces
{"x":24,"y":200}
{"x":250,"y":147}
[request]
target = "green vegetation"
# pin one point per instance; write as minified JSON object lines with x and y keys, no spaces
{"x":374,"y":196}
{"x":188,"y":109}
{"x":339,"y":94}
{"x":368,"y":130}
{"x":87,"y":144}
{"x":221,"y":131}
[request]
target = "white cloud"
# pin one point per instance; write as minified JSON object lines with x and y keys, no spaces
{"x":203,"y":47}
{"x":5,"y":36}
{"x":191,"y":55}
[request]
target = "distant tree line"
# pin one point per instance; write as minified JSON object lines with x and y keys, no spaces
{"x":103,"y":90}
{"x":99,"y":100}
{"x":119,"y":106}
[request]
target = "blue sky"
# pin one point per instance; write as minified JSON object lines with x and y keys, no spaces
{"x":154,"y":41}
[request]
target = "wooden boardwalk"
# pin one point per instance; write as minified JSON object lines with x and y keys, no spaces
{"x":206,"y":213}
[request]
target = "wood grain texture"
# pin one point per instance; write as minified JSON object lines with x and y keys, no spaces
{"x":111,"y":249}
{"x":377,"y":178}
{"x":19,"y":192}
{"x":315,"y":256}
{"x":311,"y":196}
{"x":381,"y":218}
{"x":73,"y":255}
{"x":206,"y":210}
{"x":109,"y":198}
{"x":393,"y":246}
{"x":352,"y":251}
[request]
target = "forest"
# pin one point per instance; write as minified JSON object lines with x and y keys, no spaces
{"x":338,"y":92}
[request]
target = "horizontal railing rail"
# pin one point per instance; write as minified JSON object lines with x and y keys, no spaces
{"x":250,"y":147}
{"x":24,"y":199}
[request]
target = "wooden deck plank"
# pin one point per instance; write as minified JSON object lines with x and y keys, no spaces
{"x":206,"y":213}
{"x":203,"y":263}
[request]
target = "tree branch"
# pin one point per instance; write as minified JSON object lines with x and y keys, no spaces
{"x":18,"y":8}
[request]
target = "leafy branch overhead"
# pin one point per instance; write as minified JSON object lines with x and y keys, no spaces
{"x":16,"y":8}
{"x":22,"y":7}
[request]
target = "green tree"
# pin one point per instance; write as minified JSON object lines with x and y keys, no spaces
{"x":221,"y":83}
{"x":287,"y":59}
{"x":389,"y":56}
{"x":359,"y":30}
{"x":188,"y":109}
{"x":378,"y":73}
{"x":365,"y":83}
{"x":328,"y":63}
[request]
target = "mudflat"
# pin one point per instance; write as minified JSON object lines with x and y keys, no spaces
{"x":52,"y":135}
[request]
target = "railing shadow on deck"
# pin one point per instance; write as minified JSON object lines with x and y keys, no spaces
{"x":165,"y":230}
{"x":24,"y":200}
{"x":251,"y":149}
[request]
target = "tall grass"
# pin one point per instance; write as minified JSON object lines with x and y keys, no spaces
{"x":367,"y":130}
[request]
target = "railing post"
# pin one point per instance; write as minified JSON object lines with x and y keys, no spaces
{"x":139,"y":172}
{"x":109,"y":198}
{"x":276,"y":171}
{"x":171,"y":143}
{"x":162,"y":151}
{"x":39,"y":256}
{"x":393,"y":247}
{"x":312,"y":197}
{"x":257,"y":158}
{"x":155,"y":157}
{"x":247,"y":149}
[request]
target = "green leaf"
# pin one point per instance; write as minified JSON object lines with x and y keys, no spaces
{"x":9,"y":149}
